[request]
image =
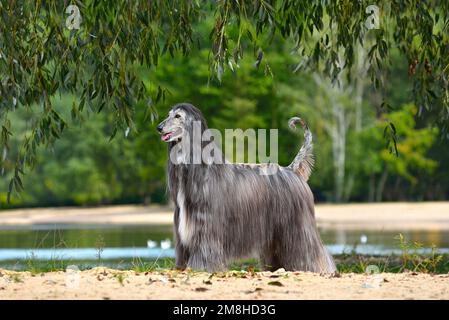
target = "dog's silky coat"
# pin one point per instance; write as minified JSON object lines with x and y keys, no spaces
{"x":229,"y":211}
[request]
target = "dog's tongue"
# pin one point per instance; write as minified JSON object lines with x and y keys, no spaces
{"x":166,"y":136}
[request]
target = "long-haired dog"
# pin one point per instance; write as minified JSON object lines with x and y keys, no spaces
{"x":230,"y":211}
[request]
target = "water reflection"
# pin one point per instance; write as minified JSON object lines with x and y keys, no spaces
{"x":85,"y":253}
{"x":150,"y":242}
{"x":383,"y":239}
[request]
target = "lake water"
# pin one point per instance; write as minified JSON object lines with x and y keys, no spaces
{"x":123,"y":244}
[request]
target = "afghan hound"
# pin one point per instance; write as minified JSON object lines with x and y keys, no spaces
{"x":226,"y":211}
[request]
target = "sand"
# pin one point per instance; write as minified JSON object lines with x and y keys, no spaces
{"x":367,"y":216}
{"x":119,"y":215}
{"x":101,"y":283}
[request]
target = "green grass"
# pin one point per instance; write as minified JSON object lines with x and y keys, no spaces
{"x":140,"y":265}
{"x":358,"y":264}
{"x":409,"y":260}
{"x":346,"y":263}
{"x":16,"y":278}
{"x":120,"y":278}
{"x":36,"y":266}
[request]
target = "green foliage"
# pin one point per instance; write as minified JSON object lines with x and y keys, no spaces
{"x":433,"y":263}
{"x":86,"y":167}
{"x":346,"y":263}
{"x":160,"y":264}
{"x":413,"y":144}
{"x":36,"y":266}
{"x":412,"y":260}
{"x":120,"y":278}
{"x":378,"y":163}
{"x":40,"y":57}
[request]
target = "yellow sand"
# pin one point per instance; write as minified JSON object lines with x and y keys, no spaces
{"x":381,"y":216}
{"x":101,"y":283}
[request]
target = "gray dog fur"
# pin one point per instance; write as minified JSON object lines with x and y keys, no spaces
{"x":230,"y":211}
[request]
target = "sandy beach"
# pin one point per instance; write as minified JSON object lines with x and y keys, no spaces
{"x":101,"y":283}
{"x":369,"y":216}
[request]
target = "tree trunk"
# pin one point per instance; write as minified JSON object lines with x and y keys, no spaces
{"x":339,"y":149}
{"x":381,"y":185}
{"x":372,"y":187}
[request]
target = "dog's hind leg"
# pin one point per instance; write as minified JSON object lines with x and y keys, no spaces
{"x":271,"y":262}
{"x":292,"y":248}
{"x":304,"y":251}
{"x":270,"y":256}
{"x":284,"y":253}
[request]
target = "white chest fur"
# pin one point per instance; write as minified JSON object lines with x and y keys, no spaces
{"x":185,"y":228}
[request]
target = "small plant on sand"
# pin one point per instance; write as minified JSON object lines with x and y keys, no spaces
{"x":250,"y":265}
{"x":99,"y":246}
{"x":435,"y":259}
{"x":138,"y":265}
{"x":414,"y":261}
{"x":354,"y":263}
{"x":36,"y":266}
{"x":16,"y":278}
{"x":120,"y":278}
{"x":33,"y":264}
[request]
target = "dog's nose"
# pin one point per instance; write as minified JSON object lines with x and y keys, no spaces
{"x":160,"y":126}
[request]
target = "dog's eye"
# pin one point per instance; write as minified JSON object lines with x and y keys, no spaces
{"x":177,"y":116}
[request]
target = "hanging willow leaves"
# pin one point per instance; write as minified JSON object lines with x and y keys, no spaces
{"x":40,"y":57}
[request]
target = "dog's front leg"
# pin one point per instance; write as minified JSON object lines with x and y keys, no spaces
{"x":181,"y":251}
{"x":182,"y":255}
{"x":207,"y":256}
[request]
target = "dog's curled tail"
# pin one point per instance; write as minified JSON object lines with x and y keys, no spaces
{"x":303,"y":162}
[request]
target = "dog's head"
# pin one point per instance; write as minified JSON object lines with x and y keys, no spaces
{"x":180,"y":122}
